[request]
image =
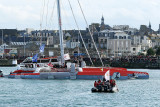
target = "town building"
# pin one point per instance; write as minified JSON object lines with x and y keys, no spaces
{"x":116,"y":43}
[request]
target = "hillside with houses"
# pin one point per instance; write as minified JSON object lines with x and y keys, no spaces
{"x":112,"y":41}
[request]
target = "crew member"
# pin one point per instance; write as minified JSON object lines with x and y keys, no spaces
{"x":1,"y":74}
{"x":104,"y":82}
{"x":99,"y":82}
{"x":95,"y":84}
{"x":112,"y":82}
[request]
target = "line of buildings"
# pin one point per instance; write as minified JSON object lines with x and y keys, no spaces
{"x":119,"y":40}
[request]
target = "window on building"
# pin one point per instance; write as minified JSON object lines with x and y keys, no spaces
{"x":101,"y":40}
{"x":134,"y":49}
{"x":129,"y":37}
{"x":105,"y":40}
{"x":89,"y":40}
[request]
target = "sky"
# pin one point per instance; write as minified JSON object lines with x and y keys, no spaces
{"x":22,"y":14}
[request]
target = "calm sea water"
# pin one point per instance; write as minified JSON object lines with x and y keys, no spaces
{"x":73,"y":93}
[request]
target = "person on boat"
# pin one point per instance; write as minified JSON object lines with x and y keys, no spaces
{"x":134,"y":75}
{"x":99,"y":81}
{"x":50,"y":64}
{"x":104,"y":82}
{"x":95,"y":84}
{"x":112,"y":82}
{"x":65,"y":65}
{"x":1,"y":74}
{"x":107,"y":82}
{"x":38,"y":65}
{"x":104,"y":79}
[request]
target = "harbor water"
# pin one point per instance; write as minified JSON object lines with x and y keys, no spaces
{"x":73,"y":93}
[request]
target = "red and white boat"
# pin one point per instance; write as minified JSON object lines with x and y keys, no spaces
{"x":45,"y":70}
{"x":51,"y":70}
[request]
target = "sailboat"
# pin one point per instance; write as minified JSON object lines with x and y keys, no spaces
{"x":70,"y":71}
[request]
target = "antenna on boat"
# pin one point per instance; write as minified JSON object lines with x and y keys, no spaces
{"x":60,"y":32}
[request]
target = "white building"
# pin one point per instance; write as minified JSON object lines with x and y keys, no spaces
{"x":29,"y":30}
{"x":146,"y":43}
{"x":155,"y":40}
{"x":117,"y":43}
{"x":136,"y":49}
{"x":120,"y":45}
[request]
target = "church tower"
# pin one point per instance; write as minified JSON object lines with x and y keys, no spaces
{"x":149,"y":25}
{"x":102,"y":20}
{"x":102,"y":27}
{"x":150,"y":29}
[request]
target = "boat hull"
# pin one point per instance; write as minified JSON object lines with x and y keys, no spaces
{"x":85,"y":74}
{"x":67,"y":75}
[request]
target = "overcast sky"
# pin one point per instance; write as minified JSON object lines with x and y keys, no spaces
{"x":23,"y":14}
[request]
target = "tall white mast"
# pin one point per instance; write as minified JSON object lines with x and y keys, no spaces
{"x":60,"y":32}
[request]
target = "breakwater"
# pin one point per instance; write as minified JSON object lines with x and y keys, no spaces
{"x":7,"y":62}
{"x":137,"y":62}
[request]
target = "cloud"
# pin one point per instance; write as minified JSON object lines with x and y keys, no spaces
{"x":18,"y":13}
{"x":13,"y":16}
{"x":132,"y":12}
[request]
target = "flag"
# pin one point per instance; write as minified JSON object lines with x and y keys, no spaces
{"x":35,"y":57}
{"x":107,"y":75}
{"x":66,"y":56}
{"x":41,"y":49}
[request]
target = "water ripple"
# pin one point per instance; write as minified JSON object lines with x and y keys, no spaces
{"x":73,"y":93}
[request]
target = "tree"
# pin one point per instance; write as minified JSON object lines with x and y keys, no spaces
{"x":158,"y":51}
{"x":150,"y":51}
{"x":142,"y":54}
{"x":155,"y":47}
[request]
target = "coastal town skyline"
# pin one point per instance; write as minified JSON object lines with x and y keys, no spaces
{"x":28,"y":14}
